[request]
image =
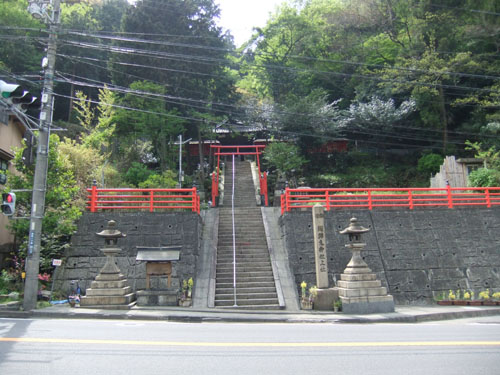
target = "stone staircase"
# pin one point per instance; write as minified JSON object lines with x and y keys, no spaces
{"x":255,"y":285}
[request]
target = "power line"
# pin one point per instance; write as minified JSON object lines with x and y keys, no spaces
{"x":181,"y":100}
{"x":297,"y":57}
{"x":465,"y":9}
{"x":210,"y":61}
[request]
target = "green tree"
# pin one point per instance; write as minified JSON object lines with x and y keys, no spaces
{"x":19,"y":50}
{"x":142,"y":116}
{"x":285,"y":157}
{"x":61,"y":210}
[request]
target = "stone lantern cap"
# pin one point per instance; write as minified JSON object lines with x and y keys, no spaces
{"x":110,"y":234}
{"x":354,"y":230}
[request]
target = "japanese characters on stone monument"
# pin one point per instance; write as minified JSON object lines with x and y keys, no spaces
{"x":320,"y":246}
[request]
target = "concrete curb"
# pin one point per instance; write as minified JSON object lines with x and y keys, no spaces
{"x":409,"y":315}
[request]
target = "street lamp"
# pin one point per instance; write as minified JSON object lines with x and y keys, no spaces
{"x":40,"y":10}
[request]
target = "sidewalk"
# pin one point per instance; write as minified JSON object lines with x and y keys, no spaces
{"x":403,"y":314}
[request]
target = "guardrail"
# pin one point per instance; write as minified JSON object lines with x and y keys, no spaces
{"x":143,"y":199}
{"x":389,"y":197}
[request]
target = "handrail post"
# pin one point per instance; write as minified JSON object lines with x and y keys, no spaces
{"x":264,"y":183}
{"x":93,"y":198}
{"x":282,"y":204}
{"x":410,"y":199}
{"x":287,"y":200}
{"x":327,"y":200}
{"x":450,"y":199}
{"x":151,"y":200}
{"x":370,"y":203}
{"x":192,"y":198}
{"x":214,"y":190}
{"x":487,"y":196}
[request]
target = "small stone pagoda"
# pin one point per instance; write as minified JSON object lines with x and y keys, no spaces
{"x":110,"y":289}
{"x":358,"y":287}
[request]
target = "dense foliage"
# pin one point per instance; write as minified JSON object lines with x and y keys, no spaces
{"x":403,"y":82}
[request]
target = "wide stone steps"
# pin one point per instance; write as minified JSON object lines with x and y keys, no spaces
{"x":242,"y":290}
{"x":264,"y":284}
{"x":253,"y":239}
{"x":242,"y":258}
{"x":261,"y":303}
{"x":243,"y":274}
{"x":242,"y":280}
{"x":255,"y":286}
{"x":246,"y":296}
{"x":243,"y":250}
{"x":245,"y":267}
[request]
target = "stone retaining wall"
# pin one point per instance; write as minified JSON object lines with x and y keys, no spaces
{"x":415,"y":253}
{"x":84,"y":259}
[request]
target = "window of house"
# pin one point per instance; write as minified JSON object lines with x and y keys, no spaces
{"x":472,"y":167}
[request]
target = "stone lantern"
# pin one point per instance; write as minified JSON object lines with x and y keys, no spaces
{"x":109,"y":290}
{"x":358,"y":287}
{"x":354,"y":231}
{"x":111,"y":236}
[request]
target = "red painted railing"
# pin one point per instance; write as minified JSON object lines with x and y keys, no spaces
{"x":389,"y":197}
{"x":143,"y":199}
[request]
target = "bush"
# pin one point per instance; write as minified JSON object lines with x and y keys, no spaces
{"x":137,"y":173}
{"x":484,"y":177}
{"x":166,"y":180}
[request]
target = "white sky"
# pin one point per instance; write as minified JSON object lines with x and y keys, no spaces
{"x":240,"y":16}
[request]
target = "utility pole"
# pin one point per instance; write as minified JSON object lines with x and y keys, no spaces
{"x":49,"y":12}
{"x":180,"y":158}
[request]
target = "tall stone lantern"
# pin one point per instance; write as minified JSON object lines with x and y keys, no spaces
{"x":358,"y":287}
{"x":109,"y":290}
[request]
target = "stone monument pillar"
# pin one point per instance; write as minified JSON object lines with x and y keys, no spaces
{"x":325,"y":295}
{"x":109,"y":290}
{"x":358,"y":287}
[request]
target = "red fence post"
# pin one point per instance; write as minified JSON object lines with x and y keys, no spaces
{"x":327,"y":199}
{"x":410,"y":199}
{"x":264,"y":186}
{"x":93,"y":199}
{"x":487,"y":196}
{"x":214,"y":189}
{"x":450,"y":198}
{"x":151,"y":200}
{"x":287,"y":200}
{"x":370,"y":203}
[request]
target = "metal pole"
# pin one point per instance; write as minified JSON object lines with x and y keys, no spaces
{"x":234,"y":241}
{"x":40,"y":178}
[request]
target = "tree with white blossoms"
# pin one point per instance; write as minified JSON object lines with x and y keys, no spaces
{"x":376,"y":113}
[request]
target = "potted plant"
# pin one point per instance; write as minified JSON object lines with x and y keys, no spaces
{"x":485,"y":297}
{"x":441,"y":299}
{"x":306,"y":302}
{"x":186,"y":291}
{"x":313,"y":293}
{"x":337,"y":305}
{"x":496,"y":297}
{"x":460,"y":299}
{"x":473,"y":301}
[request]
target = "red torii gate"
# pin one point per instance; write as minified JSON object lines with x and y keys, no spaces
{"x":238,"y":150}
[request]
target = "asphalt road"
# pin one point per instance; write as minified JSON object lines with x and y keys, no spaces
{"x":109,"y":347}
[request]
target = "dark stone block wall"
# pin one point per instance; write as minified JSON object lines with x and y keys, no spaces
{"x":415,"y":253}
{"x":83,"y":259}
